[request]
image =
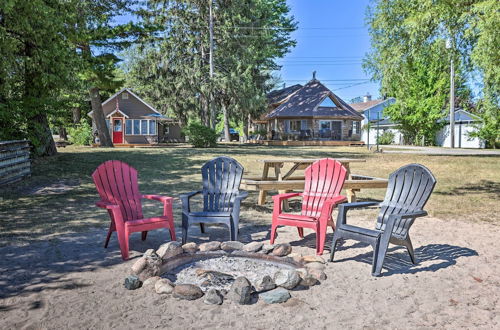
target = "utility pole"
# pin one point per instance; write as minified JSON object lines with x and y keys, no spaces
{"x":211,"y":63}
{"x":452,"y":95}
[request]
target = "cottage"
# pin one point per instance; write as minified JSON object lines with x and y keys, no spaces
{"x":309,"y":112}
{"x":132,"y":121}
{"x":465,"y":123}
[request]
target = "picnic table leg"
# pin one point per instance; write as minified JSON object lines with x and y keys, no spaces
{"x":262,"y":197}
{"x":351,"y":195}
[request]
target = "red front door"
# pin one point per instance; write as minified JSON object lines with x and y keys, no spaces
{"x":117,"y":130}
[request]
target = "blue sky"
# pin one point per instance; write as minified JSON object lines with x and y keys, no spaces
{"x":332,"y":39}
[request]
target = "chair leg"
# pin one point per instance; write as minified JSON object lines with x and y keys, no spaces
{"x":144,"y":235}
{"x":172,"y":233}
{"x":301,"y":232}
{"x":185,"y":227}
{"x":273,"y":233}
{"x":409,"y":248}
{"x":123,"y":242}
{"x":202,"y":228}
{"x":321,"y":237}
{"x":110,"y":231}
{"x":336,"y":238}
{"x":380,"y":252}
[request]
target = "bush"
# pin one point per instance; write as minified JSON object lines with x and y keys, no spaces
{"x":386,"y":138}
{"x":200,"y":136}
{"x":81,"y":134}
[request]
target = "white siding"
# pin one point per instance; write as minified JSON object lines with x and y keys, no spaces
{"x":461,"y":140}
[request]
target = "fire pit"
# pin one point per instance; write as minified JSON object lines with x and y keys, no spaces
{"x":228,"y":270}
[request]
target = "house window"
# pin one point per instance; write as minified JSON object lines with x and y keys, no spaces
{"x":152,"y":127}
{"x":144,"y":127}
{"x":356,"y":127}
{"x":124,"y":96}
{"x":140,"y":127}
{"x":128,"y":126}
{"x":295,"y":125}
{"x":137,"y":127}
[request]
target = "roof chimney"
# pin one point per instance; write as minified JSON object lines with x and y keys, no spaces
{"x":314,"y":75}
{"x":367,"y":97}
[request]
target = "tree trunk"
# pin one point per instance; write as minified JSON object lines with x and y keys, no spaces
{"x":37,"y":123}
{"x":99,"y":119}
{"x":246,"y":124}
{"x":77,"y":115}
{"x":227,"y":136}
{"x":205,"y":111}
{"x":63,"y":134}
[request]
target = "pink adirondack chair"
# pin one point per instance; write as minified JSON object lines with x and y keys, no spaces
{"x":323,"y":184}
{"x":116,"y":183}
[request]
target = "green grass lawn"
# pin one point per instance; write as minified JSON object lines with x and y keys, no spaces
{"x":468,"y":187}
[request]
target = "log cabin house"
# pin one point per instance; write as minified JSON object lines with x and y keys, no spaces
{"x":310,"y":112}
{"x":132,"y":121}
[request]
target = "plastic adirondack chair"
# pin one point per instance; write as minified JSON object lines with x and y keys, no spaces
{"x":116,"y":183}
{"x":323,"y":184}
{"x":221,"y":197}
{"x":407,"y":193}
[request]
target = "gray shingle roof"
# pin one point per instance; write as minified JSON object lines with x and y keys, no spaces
{"x":306,"y":103}
{"x":280,"y":94}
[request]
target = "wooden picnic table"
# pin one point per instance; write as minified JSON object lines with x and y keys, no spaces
{"x":284,"y":182}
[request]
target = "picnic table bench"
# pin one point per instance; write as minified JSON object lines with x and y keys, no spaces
{"x":284,"y":182}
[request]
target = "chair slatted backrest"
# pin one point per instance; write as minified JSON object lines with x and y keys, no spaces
{"x":221,"y":182}
{"x":116,"y":182}
{"x":408,"y":190}
{"x":324,"y":179}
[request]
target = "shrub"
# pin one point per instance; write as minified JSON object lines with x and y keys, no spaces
{"x":81,"y":134}
{"x":386,"y":138}
{"x":200,"y":136}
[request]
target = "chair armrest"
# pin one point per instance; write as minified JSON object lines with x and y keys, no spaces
{"x":409,"y":215}
{"x":107,"y":205}
{"x":343,"y":208}
{"x":281,"y":197}
{"x":114,"y":211}
{"x":159,"y":198}
{"x":185,"y":200}
{"x":328,"y":206}
{"x":242,"y":195}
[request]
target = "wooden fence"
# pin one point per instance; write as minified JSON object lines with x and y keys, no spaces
{"x":15,"y":161}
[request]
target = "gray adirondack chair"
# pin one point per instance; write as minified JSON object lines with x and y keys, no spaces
{"x":407,"y":193}
{"x":221,"y":197}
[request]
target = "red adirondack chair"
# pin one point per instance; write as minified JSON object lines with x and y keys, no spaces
{"x":324,"y":181}
{"x":116,"y":183}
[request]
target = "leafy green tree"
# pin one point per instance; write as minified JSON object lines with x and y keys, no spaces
{"x":409,"y":59}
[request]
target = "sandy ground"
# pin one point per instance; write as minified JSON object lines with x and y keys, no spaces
{"x":73,"y":282}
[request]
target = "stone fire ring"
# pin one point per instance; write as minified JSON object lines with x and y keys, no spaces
{"x":294,"y":270}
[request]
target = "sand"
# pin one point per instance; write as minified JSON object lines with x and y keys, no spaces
{"x":73,"y":282}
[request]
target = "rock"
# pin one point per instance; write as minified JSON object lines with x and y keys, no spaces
{"x":150,"y":282}
{"x":149,"y":252}
{"x":253,"y":247}
{"x":308,"y":280}
{"x":266,"y":248}
{"x":318,"y":274}
{"x":139,"y":265}
{"x":302,"y":272}
{"x":213,"y":297}
{"x":187,"y":292}
{"x":282,"y":250}
{"x":132,"y":282}
{"x":214,"y":278}
{"x":265,"y":284}
{"x":297,"y":257}
{"x":276,"y":296}
{"x":287,"y":278}
{"x":164,"y":286}
{"x":308,"y":259}
{"x":153,"y":267}
{"x":240,"y":291}
{"x":209,"y":246}
{"x":190,"y":247}
{"x":316,"y":265}
{"x":231,"y":246}
{"x":169,"y":250}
